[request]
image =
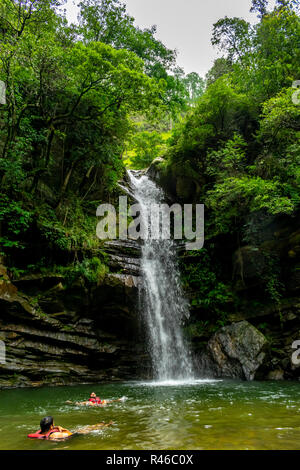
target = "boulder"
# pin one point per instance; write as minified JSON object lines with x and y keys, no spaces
{"x":235,"y":351}
{"x":178,"y":184}
{"x":277,"y":374}
{"x":154,"y":169}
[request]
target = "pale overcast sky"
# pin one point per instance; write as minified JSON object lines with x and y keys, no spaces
{"x":185,"y":25}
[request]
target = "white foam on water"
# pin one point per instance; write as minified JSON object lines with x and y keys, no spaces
{"x":176,"y":383}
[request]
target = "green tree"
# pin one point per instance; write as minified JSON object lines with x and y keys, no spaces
{"x":232,"y":35}
{"x":221,"y":67}
{"x":260,"y":7}
{"x":195,"y":86}
{"x":146,"y":146}
{"x":107,"y":21}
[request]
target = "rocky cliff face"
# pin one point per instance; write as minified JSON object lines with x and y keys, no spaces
{"x":55,"y":334}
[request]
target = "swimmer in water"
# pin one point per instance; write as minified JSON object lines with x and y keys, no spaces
{"x":50,"y":432}
{"x":94,"y":401}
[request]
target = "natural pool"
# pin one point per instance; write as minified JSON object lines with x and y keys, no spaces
{"x":200,"y":415}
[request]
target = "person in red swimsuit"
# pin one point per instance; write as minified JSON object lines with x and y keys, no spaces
{"x":96,"y":400}
{"x":92,"y":401}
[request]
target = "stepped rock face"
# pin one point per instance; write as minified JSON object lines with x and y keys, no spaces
{"x":55,"y":334}
{"x":235,"y":351}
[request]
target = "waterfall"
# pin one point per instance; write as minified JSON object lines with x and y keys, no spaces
{"x":162,"y":302}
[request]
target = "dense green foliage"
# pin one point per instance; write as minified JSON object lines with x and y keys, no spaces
{"x":72,"y":96}
{"x":242,"y":139}
{"x":145,"y":146}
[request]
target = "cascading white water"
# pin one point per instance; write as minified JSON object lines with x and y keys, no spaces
{"x":162,"y":302}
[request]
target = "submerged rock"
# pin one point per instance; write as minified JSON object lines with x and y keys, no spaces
{"x":277,"y":374}
{"x":235,"y":351}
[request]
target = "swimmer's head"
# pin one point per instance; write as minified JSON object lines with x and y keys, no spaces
{"x":46,"y":423}
{"x":93,"y":395}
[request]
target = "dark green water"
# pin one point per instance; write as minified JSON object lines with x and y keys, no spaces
{"x":203,"y":415}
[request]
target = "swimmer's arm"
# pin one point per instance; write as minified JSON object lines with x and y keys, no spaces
{"x":89,"y":428}
{"x":84,"y":403}
{"x":61,"y":429}
{"x":59,"y":435}
{"x":111,"y":401}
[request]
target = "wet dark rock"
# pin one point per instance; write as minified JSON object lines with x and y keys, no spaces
{"x":125,"y":264}
{"x":249,"y":265}
{"x":126,"y":248}
{"x":164,"y":177}
{"x":235,"y":351}
{"x":56,"y":334}
{"x":154,"y":170}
